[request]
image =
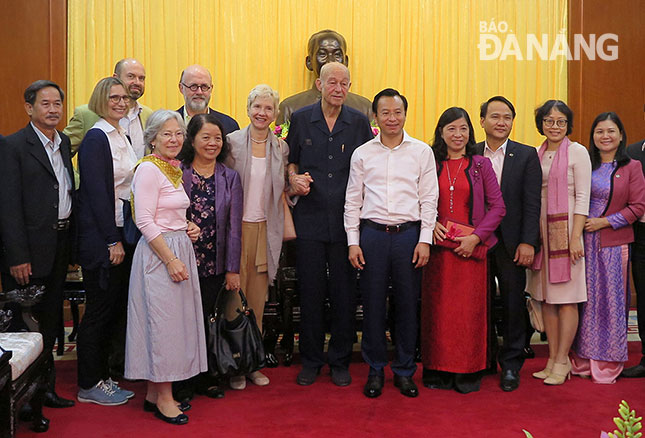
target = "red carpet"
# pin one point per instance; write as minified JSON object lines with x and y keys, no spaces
{"x":283,"y":409}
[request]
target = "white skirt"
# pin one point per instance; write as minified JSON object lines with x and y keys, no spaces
{"x":165,"y":339}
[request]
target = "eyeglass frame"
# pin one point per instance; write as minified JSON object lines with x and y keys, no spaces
{"x":560,"y":123}
{"x":116,"y":98}
{"x":194,"y":87}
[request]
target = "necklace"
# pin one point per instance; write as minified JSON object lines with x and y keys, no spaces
{"x":259,"y":141}
{"x":205,"y":171}
{"x":452,"y":182}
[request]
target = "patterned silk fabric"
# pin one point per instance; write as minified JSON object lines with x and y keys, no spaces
{"x":202,"y":213}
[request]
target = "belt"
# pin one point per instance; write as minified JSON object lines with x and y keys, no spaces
{"x":390,"y":228}
{"x":61,"y":225}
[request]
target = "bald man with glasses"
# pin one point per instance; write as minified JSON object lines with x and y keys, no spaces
{"x":196,"y":85}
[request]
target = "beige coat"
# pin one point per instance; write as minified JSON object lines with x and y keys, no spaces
{"x":277,"y":153}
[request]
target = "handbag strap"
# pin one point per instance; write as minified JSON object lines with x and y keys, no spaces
{"x":220,"y":295}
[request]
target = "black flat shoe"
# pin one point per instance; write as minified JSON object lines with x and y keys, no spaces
{"x":149,"y":406}
{"x":634,"y":372}
{"x":509,"y":381}
{"x":178,"y":420}
{"x":406,"y":385}
{"x":52,"y":400}
{"x":374,"y":386}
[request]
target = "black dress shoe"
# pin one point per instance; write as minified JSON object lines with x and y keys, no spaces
{"x":149,"y":406}
{"x":374,"y":386}
{"x":184,"y":395}
{"x":528,"y":353}
{"x":178,"y":420}
{"x":340,"y":376}
{"x":26,"y":413}
{"x":406,"y":385}
{"x":52,"y":400}
{"x":307,"y":376}
{"x":510,"y":380}
{"x":635,"y":371}
{"x":214,"y":392}
{"x":271,"y":361}
{"x":40,"y":425}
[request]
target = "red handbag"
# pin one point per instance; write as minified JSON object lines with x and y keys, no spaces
{"x":458,"y":229}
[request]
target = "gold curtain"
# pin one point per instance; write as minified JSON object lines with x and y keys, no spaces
{"x":427,"y":49}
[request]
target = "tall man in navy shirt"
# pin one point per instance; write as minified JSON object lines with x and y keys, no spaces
{"x":322,"y":138}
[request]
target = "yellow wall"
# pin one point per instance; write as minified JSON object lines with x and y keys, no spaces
{"x":427,"y":49}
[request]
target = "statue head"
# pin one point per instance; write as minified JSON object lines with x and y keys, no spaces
{"x":324,"y":47}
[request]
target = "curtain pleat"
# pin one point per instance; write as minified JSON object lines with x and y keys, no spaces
{"x":427,"y":49}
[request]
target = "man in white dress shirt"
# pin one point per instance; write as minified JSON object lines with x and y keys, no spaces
{"x":390,"y":213}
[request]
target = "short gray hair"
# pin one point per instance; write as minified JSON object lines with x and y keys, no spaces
{"x":157,"y":120}
{"x":263,"y":90}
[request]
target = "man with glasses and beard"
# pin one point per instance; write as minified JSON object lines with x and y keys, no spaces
{"x":196,"y":85}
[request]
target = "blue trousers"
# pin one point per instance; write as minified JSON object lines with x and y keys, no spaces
{"x":314,"y":259}
{"x":389,"y":256}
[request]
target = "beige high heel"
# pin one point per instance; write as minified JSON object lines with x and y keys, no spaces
{"x":545,"y":372}
{"x":560,"y":373}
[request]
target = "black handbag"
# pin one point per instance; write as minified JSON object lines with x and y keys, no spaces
{"x":235,"y":347}
{"x":131,"y":233}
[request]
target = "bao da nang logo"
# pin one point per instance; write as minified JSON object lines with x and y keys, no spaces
{"x":496,"y":41}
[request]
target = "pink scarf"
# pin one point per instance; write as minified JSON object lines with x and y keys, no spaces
{"x":557,"y":216}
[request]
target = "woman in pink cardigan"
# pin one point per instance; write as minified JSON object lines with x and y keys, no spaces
{"x":617,"y":201}
{"x":165,"y":335}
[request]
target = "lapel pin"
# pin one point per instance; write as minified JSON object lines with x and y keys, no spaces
{"x":511,"y":154}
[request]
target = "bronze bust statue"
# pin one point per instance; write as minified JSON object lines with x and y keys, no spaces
{"x":323,"y":47}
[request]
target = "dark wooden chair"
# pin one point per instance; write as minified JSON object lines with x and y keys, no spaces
{"x":23,"y":367}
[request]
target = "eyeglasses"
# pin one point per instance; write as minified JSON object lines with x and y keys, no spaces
{"x":194,"y":87}
{"x":561,"y":123}
{"x":115,"y":98}
{"x":168,"y":135}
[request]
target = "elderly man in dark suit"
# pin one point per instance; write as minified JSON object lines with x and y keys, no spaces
{"x":519,"y":175}
{"x":321,"y":140}
{"x":636,"y":151}
{"x":35,"y":219}
{"x":196,"y":85}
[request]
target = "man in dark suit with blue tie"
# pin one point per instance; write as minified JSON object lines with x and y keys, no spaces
{"x":36,"y":215}
{"x":519,"y":174}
